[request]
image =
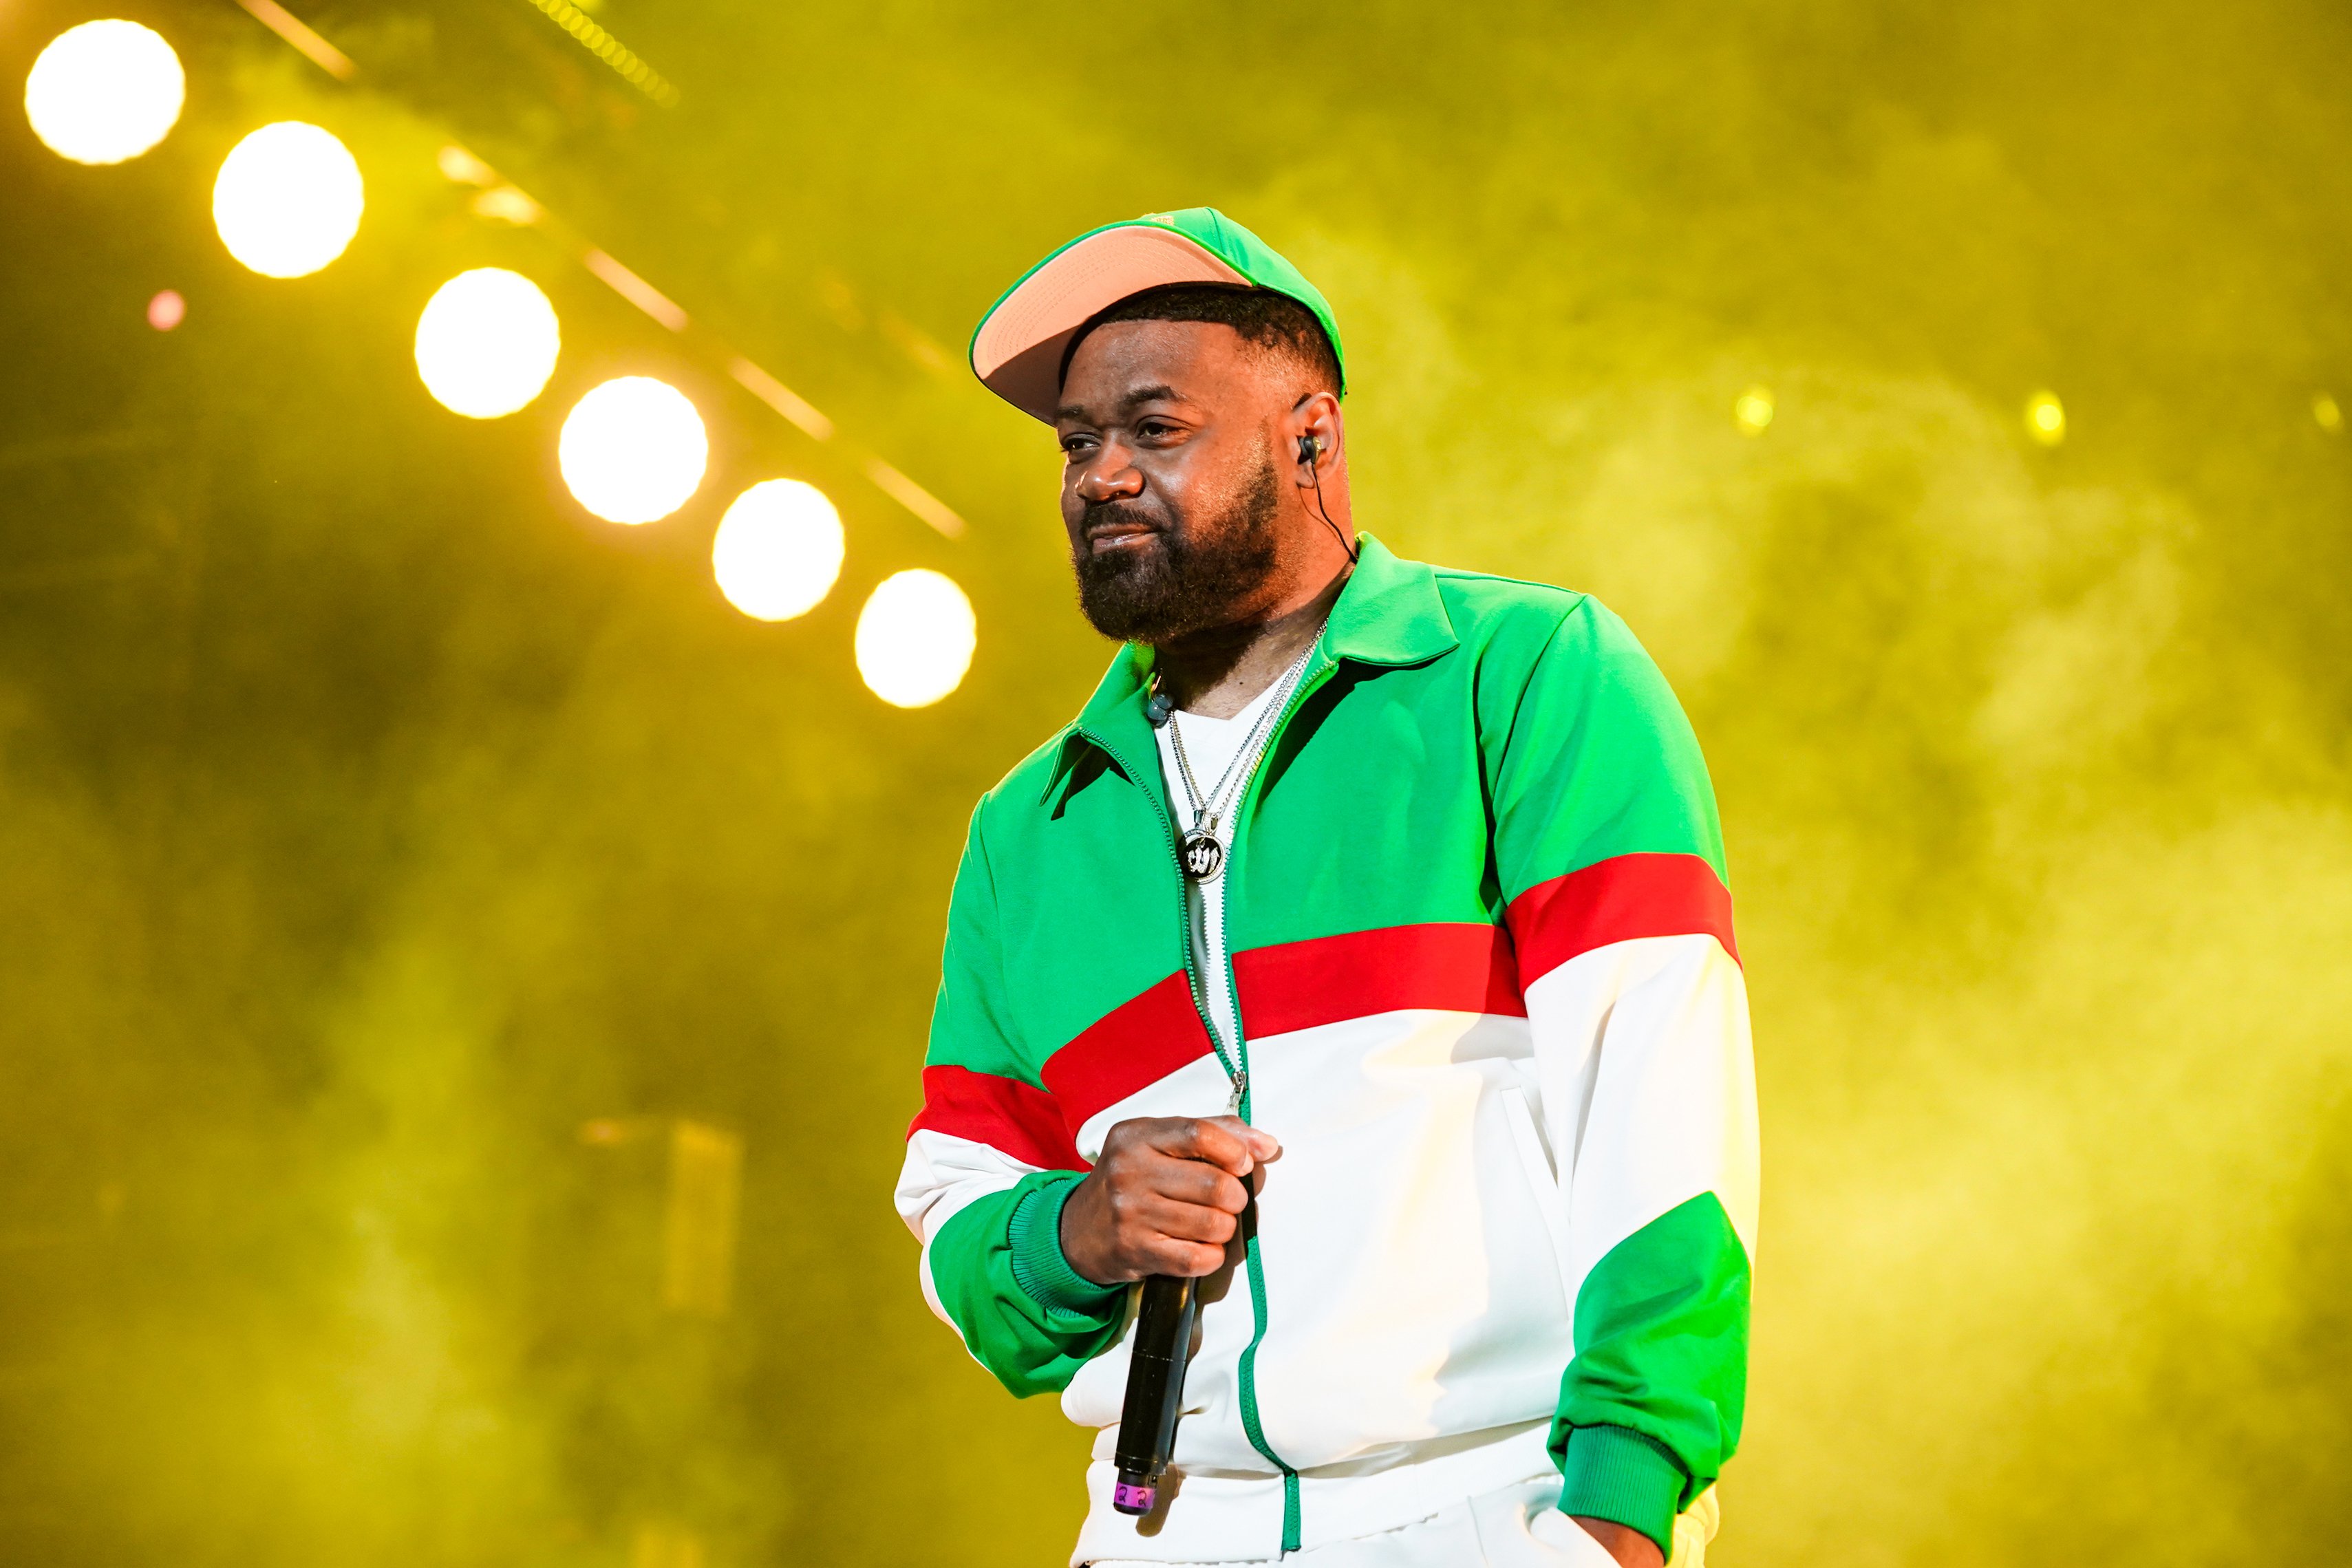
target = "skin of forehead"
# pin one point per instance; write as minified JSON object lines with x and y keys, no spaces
{"x":1208,"y":364}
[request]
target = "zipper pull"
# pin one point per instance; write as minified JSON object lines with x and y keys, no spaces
{"x":1240,"y":1087}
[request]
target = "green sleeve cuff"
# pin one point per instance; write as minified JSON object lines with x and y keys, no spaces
{"x":1617,"y":1474}
{"x":1043,"y":1275}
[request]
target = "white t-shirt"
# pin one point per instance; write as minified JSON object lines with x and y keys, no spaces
{"x":1210,"y":745}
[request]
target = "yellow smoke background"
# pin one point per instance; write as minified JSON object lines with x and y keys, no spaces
{"x":394,"y":859}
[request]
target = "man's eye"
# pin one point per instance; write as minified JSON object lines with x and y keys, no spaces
{"x":1155,"y":429}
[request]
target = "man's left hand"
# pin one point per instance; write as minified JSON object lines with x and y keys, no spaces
{"x":1629,"y":1547}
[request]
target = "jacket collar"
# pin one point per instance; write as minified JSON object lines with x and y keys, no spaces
{"x":1388,"y":614}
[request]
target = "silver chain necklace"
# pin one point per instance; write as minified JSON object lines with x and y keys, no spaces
{"x":1200,"y":855}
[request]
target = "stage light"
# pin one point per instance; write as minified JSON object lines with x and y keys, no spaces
{"x":915,"y":639}
{"x":287,"y":199}
{"x":457,"y":164}
{"x":779,"y":550}
{"x":2045,"y":418}
{"x":506,"y":205}
{"x":633,"y":450}
{"x":2325,"y":413}
{"x":104,"y":92}
{"x":166,"y":309}
{"x":1752,"y":409}
{"x":486,"y":343}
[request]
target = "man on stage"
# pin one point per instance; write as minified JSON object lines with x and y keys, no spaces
{"x":1390,"y":895}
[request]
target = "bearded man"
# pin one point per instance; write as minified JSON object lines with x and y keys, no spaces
{"x":1362,"y":951}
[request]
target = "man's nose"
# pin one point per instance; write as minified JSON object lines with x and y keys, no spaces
{"x":1110,"y":477}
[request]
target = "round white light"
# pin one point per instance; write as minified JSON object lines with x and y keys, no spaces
{"x":633,"y":450}
{"x":779,"y":550}
{"x":486,"y":343}
{"x":915,"y":638}
{"x":104,"y":92}
{"x":287,"y":199}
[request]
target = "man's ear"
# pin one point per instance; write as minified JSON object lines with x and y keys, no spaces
{"x":1317,"y":436}
{"x":1315,"y":432}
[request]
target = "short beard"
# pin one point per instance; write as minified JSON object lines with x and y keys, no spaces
{"x":1191,"y":575}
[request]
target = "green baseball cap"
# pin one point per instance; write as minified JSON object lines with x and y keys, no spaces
{"x":1016,"y":350}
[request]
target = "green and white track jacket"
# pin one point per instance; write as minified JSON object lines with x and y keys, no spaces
{"x":1481,"y":944}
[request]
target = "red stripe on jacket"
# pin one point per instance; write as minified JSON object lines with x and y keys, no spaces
{"x":1452,"y":967}
{"x":1008,"y":1115}
{"x":1456,"y":966}
{"x":1618,"y":900}
{"x":1132,"y":1047}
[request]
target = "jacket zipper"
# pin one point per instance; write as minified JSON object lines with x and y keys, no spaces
{"x":1237,"y":1065}
{"x":1242,"y":812}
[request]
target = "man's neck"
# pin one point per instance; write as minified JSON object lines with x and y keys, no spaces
{"x":1217,"y":673}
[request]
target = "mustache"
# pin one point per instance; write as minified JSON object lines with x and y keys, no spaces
{"x":1118,"y":514}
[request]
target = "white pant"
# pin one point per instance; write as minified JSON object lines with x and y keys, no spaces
{"x":1515,"y":1527}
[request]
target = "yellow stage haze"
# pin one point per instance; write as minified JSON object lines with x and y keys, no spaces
{"x":464,"y":974}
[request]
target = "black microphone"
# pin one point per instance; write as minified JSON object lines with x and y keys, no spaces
{"x":1155,"y":1390}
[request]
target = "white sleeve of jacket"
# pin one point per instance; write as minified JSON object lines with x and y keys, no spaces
{"x":1649,"y":1088}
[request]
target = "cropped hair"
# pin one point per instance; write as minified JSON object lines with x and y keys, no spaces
{"x":1272,"y":321}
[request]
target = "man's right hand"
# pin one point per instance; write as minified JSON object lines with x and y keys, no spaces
{"x":1165,"y":1197}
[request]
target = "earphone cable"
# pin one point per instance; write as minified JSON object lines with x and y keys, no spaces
{"x":1310,"y":450}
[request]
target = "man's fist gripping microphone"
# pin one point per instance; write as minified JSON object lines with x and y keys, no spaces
{"x":1166,"y":1202}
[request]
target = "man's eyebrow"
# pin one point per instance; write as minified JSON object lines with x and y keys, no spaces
{"x":1071,"y":413}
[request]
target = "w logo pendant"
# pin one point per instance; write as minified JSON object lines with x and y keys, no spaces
{"x":1201,"y":856}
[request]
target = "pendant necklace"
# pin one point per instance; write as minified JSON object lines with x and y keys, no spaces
{"x":1202,"y":854}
